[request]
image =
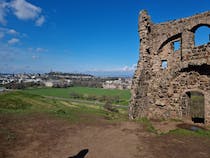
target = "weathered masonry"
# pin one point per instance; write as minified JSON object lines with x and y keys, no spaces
{"x":167,"y":77}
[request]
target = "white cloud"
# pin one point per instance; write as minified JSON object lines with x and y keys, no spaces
{"x":24,"y":10}
{"x":40,"y":21}
{"x":41,"y":50}
{"x":126,"y":68}
{"x":8,"y":31}
{"x":3,"y":11}
{"x":129,"y":68}
{"x":14,"y":60}
{"x":12,"y":32}
{"x":37,"y":50}
{"x":13,"y":41}
{"x":34,"y":57}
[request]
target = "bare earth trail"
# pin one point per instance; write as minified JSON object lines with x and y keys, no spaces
{"x":41,"y":136}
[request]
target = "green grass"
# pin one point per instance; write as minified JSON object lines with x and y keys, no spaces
{"x":124,"y":95}
{"x":147,"y":123}
{"x":197,"y":105}
{"x":21,"y":102}
{"x":14,"y":102}
{"x":199,"y":133}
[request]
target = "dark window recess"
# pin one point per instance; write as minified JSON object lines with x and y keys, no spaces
{"x":201,"y":69}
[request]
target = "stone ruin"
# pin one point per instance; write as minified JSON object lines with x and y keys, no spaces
{"x":166,"y":75}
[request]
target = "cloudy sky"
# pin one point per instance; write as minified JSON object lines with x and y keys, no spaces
{"x":79,"y":35}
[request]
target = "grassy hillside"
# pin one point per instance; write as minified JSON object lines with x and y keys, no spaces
{"x":25,"y":103}
{"x":85,"y":93}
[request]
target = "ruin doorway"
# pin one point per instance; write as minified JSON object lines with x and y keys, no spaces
{"x":192,"y":104}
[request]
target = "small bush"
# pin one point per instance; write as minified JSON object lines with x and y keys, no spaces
{"x":60,"y":112}
{"x":108,"y":106}
{"x":76,"y":95}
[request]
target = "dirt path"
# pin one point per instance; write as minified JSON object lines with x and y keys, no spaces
{"x":40,"y":136}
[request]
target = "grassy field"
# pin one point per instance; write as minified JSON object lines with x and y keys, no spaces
{"x":24,"y":103}
{"x":85,"y":92}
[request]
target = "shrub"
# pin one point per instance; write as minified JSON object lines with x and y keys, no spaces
{"x":75,"y":95}
{"x":108,"y":106}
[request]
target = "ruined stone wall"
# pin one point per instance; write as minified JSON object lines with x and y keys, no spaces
{"x":157,"y":91}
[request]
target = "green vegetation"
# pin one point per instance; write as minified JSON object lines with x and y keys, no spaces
{"x":24,"y":103}
{"x":115,"y":96}
{"x":14,"y":102}
{"x":197,"y":104}
{"x":146,"y":122}
{"x":21,"y":102}
{"x":108,"y":106}
{"x":199,"y":132}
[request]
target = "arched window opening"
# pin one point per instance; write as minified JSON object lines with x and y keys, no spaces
{"x":202,"y":35}
{"x":176,"y":37}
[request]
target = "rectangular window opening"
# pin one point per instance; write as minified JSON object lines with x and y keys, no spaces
{"x":164,"y":64}
{"x":176,"y":45}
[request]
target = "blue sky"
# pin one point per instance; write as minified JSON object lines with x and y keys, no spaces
{"x":79,"y":35}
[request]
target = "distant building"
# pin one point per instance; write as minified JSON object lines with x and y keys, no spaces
{"x":117,"y":84}
{"x":2,"y":89}
{"x":48,"y":83}
{"x":58,"y":83}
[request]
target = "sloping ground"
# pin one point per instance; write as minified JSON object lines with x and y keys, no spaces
{"x":47,"y":137}
{"x":32,"y":126}
{"x":44,"y":136}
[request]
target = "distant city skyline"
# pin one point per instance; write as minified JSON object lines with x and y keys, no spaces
{"x":96,"y":37}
